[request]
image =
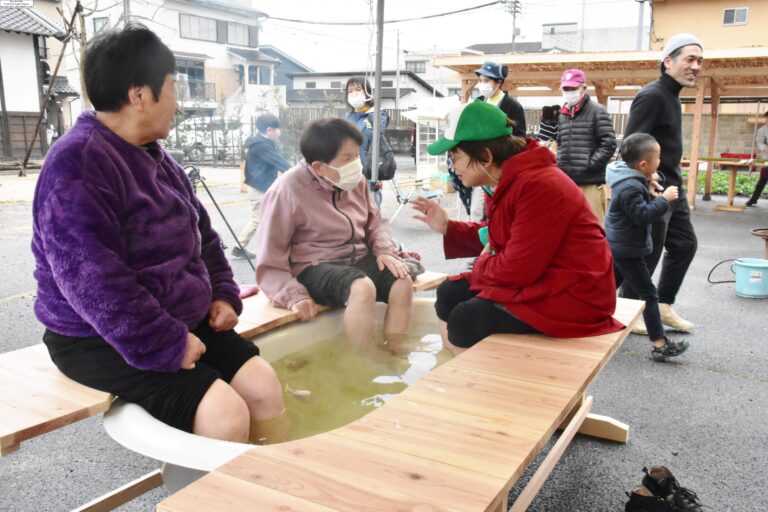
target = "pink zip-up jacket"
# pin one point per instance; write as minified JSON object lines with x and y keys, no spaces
{"x":306,"y":221}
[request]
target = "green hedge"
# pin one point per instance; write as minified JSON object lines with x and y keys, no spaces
{"x":745,"y":182}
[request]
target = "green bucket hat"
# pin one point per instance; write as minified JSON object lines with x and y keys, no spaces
{"x":477,"y":120}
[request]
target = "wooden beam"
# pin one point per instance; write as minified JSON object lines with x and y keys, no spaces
{"x":124,"y":494}
{"x":695,"y":138}
{"x":467,"y":85}
{"x":600,"y":93}
{"x":714,"y":116}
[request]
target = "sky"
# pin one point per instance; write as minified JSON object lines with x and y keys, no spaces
{"x":325,"y":47}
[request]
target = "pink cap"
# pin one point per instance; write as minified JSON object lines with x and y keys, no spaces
{"x":573,"y":78}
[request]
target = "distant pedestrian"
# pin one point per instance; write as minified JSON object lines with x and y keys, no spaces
{"x":656,"y":110}
{"x":762,"y":153}
{"x":628,"y":231}
{"x":585,"y":140}
{"x":262,"y":163}
{"x":547,"y":125}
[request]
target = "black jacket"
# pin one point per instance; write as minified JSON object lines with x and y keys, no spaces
{"x":631,"y":212}
{"x":656,"y":110}
{"x":585,"y":143}
{"x":262,"y":162}
{"x":514,"y":111}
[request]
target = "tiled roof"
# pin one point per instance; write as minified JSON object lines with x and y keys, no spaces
{"x":62,"y":87}
{"x":521,"y":47}
{"x":28,"y":20}
{"x":324,"y":95}
{"x":252,"y":55}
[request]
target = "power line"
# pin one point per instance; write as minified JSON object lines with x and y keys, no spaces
{"x":403,"y":20}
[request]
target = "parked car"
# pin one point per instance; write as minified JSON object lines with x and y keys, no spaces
{"x":209,"y":138}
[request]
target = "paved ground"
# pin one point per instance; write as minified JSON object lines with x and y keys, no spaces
{"x":704,"y":416}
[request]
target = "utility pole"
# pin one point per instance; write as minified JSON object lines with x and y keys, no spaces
{"x":513,"y":8}
{"x":126,"y":12}
{"x":397,"y":72}
{"x":640,"y":24}
{"x":583,"y":20}
{"x":83,"y":41}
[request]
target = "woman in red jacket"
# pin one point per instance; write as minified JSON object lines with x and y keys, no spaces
{"x":546,"y":268}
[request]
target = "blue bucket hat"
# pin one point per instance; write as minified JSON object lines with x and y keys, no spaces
{"x":492,"y":70}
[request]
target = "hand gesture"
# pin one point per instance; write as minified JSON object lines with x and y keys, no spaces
{"x":395,"y":265}
{"x":654,"y":188}
{"x":671,"y":193}
{"x":305,"y":309}
{"x":486,"y":249}
{"x":221,"y":316}
{"x":431,"y":214}
{"x":193,"y":351}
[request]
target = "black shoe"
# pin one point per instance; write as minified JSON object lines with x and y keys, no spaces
{"x":643,"y":500}
{"x":670,"y":349}
{"x":242,"y":253}
{"x":751,"y":203}
{"x":660,"y":481}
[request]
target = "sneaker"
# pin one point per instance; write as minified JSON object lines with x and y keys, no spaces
{"x":639,"y":327}
{"x":660,"y":481}
{"x":671,"y":319}
{"x":670,"y":349}
{"x":242,"y":253}
{"x":643,"y":500}
{"x":751,"y":203}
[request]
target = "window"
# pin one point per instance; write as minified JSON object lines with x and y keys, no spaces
{"x":100,"y":24}
{"x":194,"y":69}
{"x":310,"y":85}
{"x":551,"y":31}
{"x":417,"y":66}
{"x":386,"y":83}
{"x":42,"y":47}
{"x":736,"y":16}
{"x":454,"y":91}
{"x":253,"y":74}
{"x":237,"y":33}
{"x":336,"y":85}
{"x":240,"y":70}
{"x":197,"y":27}
{"x":264,"y":75}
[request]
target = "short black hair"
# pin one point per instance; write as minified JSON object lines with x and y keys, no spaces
{"x":322,"y":139}
{"x":673,"y":55}
{"x":637,"y":147}
{"x":367,"y":89}
{"x":117,"y":60}
{"x":266,"y":121}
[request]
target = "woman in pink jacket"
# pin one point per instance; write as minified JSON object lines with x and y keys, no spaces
{"x":323,"y":241}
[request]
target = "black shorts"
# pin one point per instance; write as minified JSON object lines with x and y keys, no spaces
{"x":171,"y":397}
{"x":471,"y":319}
{"x":329,"y":283}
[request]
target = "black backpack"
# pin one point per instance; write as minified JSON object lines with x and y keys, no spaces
{"x":387,"y":164}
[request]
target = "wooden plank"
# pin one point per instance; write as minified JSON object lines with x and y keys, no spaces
{"x":548,"y":464}
{"x":603,"y":427}
{"x":35,"y":398}
{"x":124,"y":494}
{"x":693,"y":170}
{"x":726,"y":208}
{"x":714,"y":117}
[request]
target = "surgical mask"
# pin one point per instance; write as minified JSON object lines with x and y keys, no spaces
{"x":356,"y":99}
{"x":572,"y":97}
{"x":349,"y":175}
{"x":486,"y":89}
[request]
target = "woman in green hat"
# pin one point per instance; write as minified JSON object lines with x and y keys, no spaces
{"x":546,"y":266}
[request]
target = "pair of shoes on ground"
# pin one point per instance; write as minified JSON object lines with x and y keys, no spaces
{"x":242,"y":253}
{"x":668,"y":318}
{"x":661,"y":492}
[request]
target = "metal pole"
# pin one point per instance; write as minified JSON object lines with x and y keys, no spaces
{"x":397,"y":73}
{"x":583,"y":18}
{"x":640,"y":25}
{"x":43,"y":108}
{"x":126,"y":12}
{"x":514,"y":24}
{"x":377,"y":90}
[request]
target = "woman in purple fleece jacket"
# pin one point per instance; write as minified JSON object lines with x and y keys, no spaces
{"x":133,"y":286}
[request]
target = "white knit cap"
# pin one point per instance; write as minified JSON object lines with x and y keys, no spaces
{"x":678,"y":41}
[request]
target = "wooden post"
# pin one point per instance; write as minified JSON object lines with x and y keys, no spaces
{"x":693,"y":171}
{"x":600,"y":93}
{"x":714,"y":92}
{"x":466,"y":90}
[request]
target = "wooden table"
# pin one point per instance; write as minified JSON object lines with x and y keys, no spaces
{"x":733,"y":166}
{"x":456,"y":440}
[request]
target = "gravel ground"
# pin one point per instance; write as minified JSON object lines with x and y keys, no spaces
{"x":703,"y":416}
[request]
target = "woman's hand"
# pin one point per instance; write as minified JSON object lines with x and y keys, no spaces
{"x":431,"y":214}
{"x":395,"y":265}
{"x":193,"y":351}
{"x":305,"y":309}
{"x":486,"y":249}
{"x":221,"y":316}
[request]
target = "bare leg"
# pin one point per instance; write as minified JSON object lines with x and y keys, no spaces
{"x":358,"y":317}
{"x":222,"y":414}
{"x":398,"y":317}
{"x":446,"y":342}
{"x":257,"y":384}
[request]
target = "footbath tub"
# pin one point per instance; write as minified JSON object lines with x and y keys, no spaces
{"x":186,"y":457}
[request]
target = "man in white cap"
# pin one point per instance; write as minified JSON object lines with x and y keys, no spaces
{"x":656,"y":110}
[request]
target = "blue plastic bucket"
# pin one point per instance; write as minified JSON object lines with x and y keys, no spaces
{"x":751,"y":277}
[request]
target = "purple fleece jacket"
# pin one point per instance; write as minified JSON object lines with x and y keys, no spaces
{"x":123,"y":248}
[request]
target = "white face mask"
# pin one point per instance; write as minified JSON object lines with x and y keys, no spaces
{"x":349,"y":175}
{"x":356,"y":99}
{"x":486,"y":89}
{"x":572,"y":97}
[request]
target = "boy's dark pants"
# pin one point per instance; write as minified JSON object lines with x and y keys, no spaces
{"x":634,"y":273}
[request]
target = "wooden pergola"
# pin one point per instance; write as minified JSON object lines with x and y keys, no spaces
{"x":726,"y":73}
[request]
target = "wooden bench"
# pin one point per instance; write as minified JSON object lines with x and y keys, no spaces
{"x":457,"y":440}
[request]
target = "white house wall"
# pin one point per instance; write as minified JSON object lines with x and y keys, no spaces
{"x":17,"y":56}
